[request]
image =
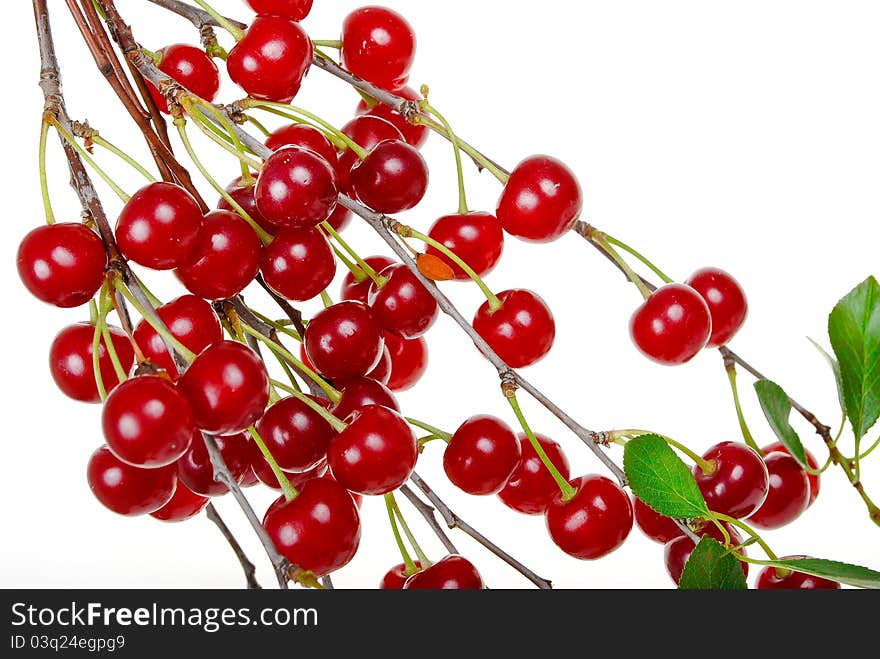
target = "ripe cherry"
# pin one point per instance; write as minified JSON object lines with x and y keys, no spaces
{"x":366,"y":131}
{"x":249,"y":479}
{"x":375,"y":454}
{"x":378,"y":45}
{"x":726,"y":301}
{"x":304,"y":137}
{"x":264,"y":474}
{"x":190,"y":319}
{"x":409,"y":361}
{"x":476,"y":238}
{"x":452,"y":572}
{"x":678,"y":551}
{"x":295,"y":10}
{"x":531,"y":488}
{"x":184,"y":504}
{"x":319,"y":530}
{"x":396,"y":577}
{"x":340,"y":218}
{"x":521,"y":331}
{"x":244,"y":197}
{"x":62,"y":264}
{"x":297,"y":188}
{"x":296,"y":435}
{"x":594,"y":522}
{"x":415,"y":134}
{"x":482,"y":455}
{"x":128,"y":490}
{"x":738,"y":481}
{"x":392,"y":178}
{"x":196,"y":471}
{"x":672,"y":326}
{"x":272,"y":59}
{"x":227,"y":386}
{"x":159,"y":226}
{"x":789,"y":493}
{"x":226,"y":258}
{"x":657,"y":527}
{"x":192,"y":67}
{"x":72,"y":367}
{"x":813,"y":478}
{"x":358,"y":393}
{"x":541,"y":201}
{"x":352,"y":289}
{"x":344,"y":341}
{"x":403,"y":306}
{"x":771,"y":578}
{"x":299,"y":264}
{"x":382,"y":372}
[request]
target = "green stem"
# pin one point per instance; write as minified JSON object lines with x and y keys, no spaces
{"x":327,"y":43}
{"x":601,"y":240}
{"x":456,"y":148}
{"x":475,"y":155}
{"x":70,"y":139}
{"x":657,"y":271}
{"x":423,"y":559}
{"x":445,"y":436}
{"x":96,"y":352}
{"x":326,"y":299}
{"x":44,"y":181}
{"x":258,"y":125}
{"x":121,"y":375}
{"x":250,"y":103}
{"x":363,"y":265}
{"x":747,"y":435}
{"x":156,"y":302}
{"x":278,"y":326}
{"x":221,"y":139}
{"x":356,"y":272}
{"x":246,"y":163}
{"x":750,"y":531}
{"x":337,"y":424}
{"x":290,"y":492}
{"x":236,"y":32}
{"x":870,"y":450}
{"x":294,"y":113}
{"x":409,"y":566}
{"x":706,"y":466}
{"x":160,"y":328}
{"x":100,"y":141}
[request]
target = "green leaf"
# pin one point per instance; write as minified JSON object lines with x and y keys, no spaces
{"x":835,"y":368}
{"x":854,"y":329}
{"x":711,"y":567}
{"x":851,"y":575}
{"x":777,"y":408}
{"x":661,"y":479}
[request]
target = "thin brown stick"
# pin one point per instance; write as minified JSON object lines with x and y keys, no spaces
{"x":427,"y":511}
{"x":198,"y":17}
{"x":250,"y":572}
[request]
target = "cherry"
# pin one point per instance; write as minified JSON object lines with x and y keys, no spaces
{"x":226,"y":258}
{"x":382,"y":372}
{"x":304,"y":137}
{"x":244,"y":197}
{"x":227,"y":386}
{"x":678,"y":551}
{"x":352,"y":289}
{"x":738,"y":481}
{"x":357,"y":498}
{"x":521,"y":331}
{"x":296,"y":435}
{"x":366,"y":131}
{"x":811,"y":460}
{"x":319,"y":530}
{"x":299,"y":264}
{"x":789,"y":493}
{"x":771,"y":578}
{"x":476,"y":238}
{"x":196,"y":471}
{"x":378,"y":45}
{"x":403,"y":305}
{"x":147,"y":422}
{"x":672,"y":326}
{"x":396,"y":577}
{"x":726,"y":301}
{"x":657,"y":527}
{"x":297,"y":188}
{"x":159,"y":226}
{"x":183,"y":505}
{"x":482,"y":455}
{"x":375,"y":454}
{"x":340,"y":217}
{"x":295,"y":10}
{"x":392,"y":178}
{"x":452,"y":572}
{"x":594,"y":522}
{"x":358,"y":393}
{"x":264,"y":474}
{"x":541,"y":201}
{"x":409,"y":361}
{"x":531,"y":488}
{"x":272,"y":59}
{"x":62,"y":264}
{"x":415,"y":134}
{"x":128,"y":490}
{"x":72,"y":367}
{"x":249,"y":479}
{"x":192,"y":67}
{"x":344,"y":341}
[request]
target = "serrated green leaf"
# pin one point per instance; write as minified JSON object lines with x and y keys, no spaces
{"x":711,"y":567}
{"x":777,"y":408}
{"x":845,"y":573}
{"x":661,"y":479}
{"x":835,"y":368}
{"x":854,"y":330}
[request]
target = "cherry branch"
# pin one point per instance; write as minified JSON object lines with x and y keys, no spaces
{"x":427,"y":511}
{"x":198,"y":17}
{"x":246,"y":565}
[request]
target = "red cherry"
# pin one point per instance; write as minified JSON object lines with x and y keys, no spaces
{"x":672,"y":326}
{"x":319,"y":530}
{"x":299,"y":264}
{"x":482,"y":455}
{"x":378,"y":45}
{"x":392,"y":178}
{"x":358,"y":393}
{"x":366,"y":131}
{"x":396,"y":577}
{"x":789,"y":493}
{"x":521,"y":331}
{"x":62,"y":264}
{"x":415,"y":134}
{"x":226,"y":258}
{"x":296,"y":436}
{"x":352,"y":289}
{"x":738,"y":482}
{"x":249,"y":479}
{"x":814,"y":479}
{"x":453,"y":572}
{"x":295,"y":10}
{"x":771,"y":578}
{"x":678,"y":551}
{"x":192,"y":67}
{"x":382,"y":372}
{"x":726,"y":301}
{"x":71,"y":365}
{"x":264,"y":474}
{"x":159,"y":226}
{"x":196,"y":471}
{"x":228,"y":388}
{"x":375,"y":454}
{"x":184,"y":505}
{"x":357,"y":498}
{"x":244,"y":197}
{"x":297,"y":188}
{"x":594,"y":522}
{"x":403,"y":305}
{"x":272,"y":59}
{"x":409,"y":361}
{"x":657,"y":527}
{"x":541,"y":201}
{"x":128,"y":490}
{"x":531,"y":488}
{"x":341,"y":216}
{"x":476,"y":238}
{"x":344,"y":341}
{"x":304,"y":137}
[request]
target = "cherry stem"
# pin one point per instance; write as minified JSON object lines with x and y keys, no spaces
{"x":750,"y":531}
{"x":154,"y":321}
{"x":236,"y":32}
{"x":100,"y":141}
{"x":327,"y":43}
{"x":436,"y":432}
{"x":365,"y":267}
{"x":220,"y":138}
{"x":619,"y":243}
{"x":296,"y":114}
{"x":355,"y":270}
{"x":246,"y":163}
{"x":602,"y":240}
{"x":106,"y":306}
{"x":870,"y":450}
{"x":479,"y":158}
{"x":258,"y":125}
{"x":96,"y":351}
{"x":423,"y":559}
{"x":156,"y":302}
{"x":44,"y":182}
{"x":456,"y":148}
{"x":747,"y":435}
{"x":326,"y":299}
{"x":409,"y":566}
{"x":278,"y":326}
{"x":71,"y":140}
{"x":289,"y":491}
{"x":251,"y":103}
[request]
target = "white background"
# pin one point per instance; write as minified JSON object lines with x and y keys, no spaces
{"x":743,"y":135}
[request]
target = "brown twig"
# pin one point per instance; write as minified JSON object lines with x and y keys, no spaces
{"x":427,"y":511}
{"x":194,"y":15}
{"x":250,"y":572}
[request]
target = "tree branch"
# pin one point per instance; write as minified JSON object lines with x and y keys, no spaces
{"x":427,"y":512}
{"x":194,"y":15}
{"x":246,"y":565}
